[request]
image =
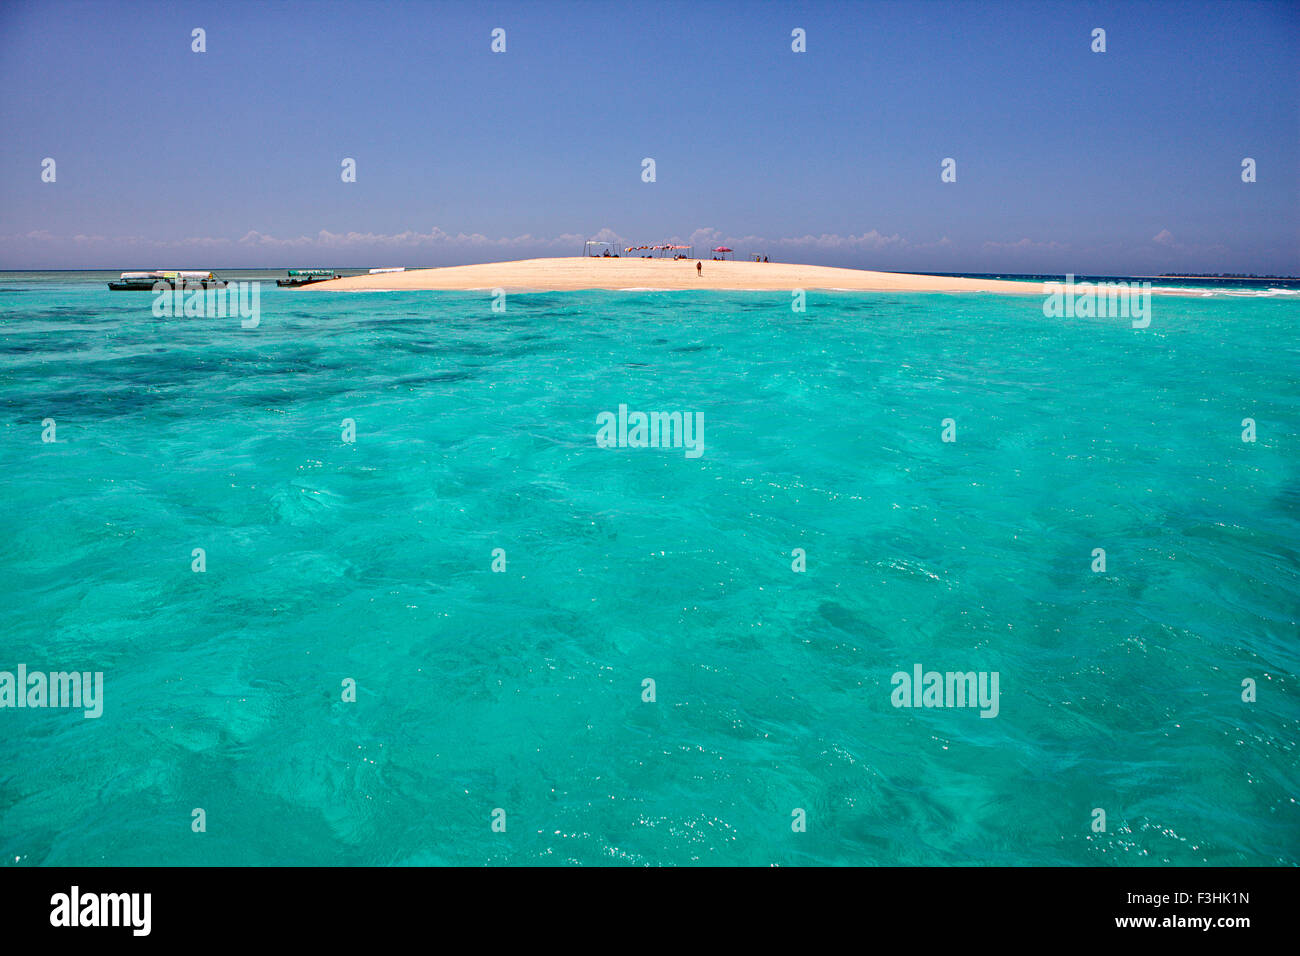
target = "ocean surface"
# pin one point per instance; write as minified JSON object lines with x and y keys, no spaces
{"x":516,"y":696}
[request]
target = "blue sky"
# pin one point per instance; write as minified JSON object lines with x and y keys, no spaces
{"x":1127,"y":161}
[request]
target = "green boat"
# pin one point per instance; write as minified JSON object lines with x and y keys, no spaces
{"x":299,"y":277}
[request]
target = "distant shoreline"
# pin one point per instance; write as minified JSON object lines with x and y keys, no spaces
{"x":1007,"y":276}
{"x":614,"y":273}
{"x":1209,"y":278}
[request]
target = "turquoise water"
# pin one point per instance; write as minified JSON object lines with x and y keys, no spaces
{"x":522,"y":690}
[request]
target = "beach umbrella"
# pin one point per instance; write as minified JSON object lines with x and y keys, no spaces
{"x":722,"y":249}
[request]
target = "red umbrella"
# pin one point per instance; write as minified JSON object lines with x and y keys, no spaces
{"x":722,"y":249}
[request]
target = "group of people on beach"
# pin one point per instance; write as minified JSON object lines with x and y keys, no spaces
{"x":699,"y":266}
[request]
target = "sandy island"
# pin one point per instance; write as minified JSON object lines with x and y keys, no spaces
{"x":589,"y":272}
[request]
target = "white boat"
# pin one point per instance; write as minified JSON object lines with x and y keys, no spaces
{"x":136,"y":281}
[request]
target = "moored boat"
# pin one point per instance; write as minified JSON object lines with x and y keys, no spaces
{"x":299,"y":277}
{"x":145,"y":281}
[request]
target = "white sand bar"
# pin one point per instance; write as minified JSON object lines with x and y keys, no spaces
{"x":584,"y":272}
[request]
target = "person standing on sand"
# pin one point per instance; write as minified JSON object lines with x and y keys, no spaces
{"x":699,"y":268}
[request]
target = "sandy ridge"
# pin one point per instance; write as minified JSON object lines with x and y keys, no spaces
{"x":581,"y":272}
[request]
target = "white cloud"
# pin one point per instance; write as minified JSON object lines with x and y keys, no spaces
{"x":435,"y":236}
{"x":438,"y":237}
{"x":439,"y":245}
